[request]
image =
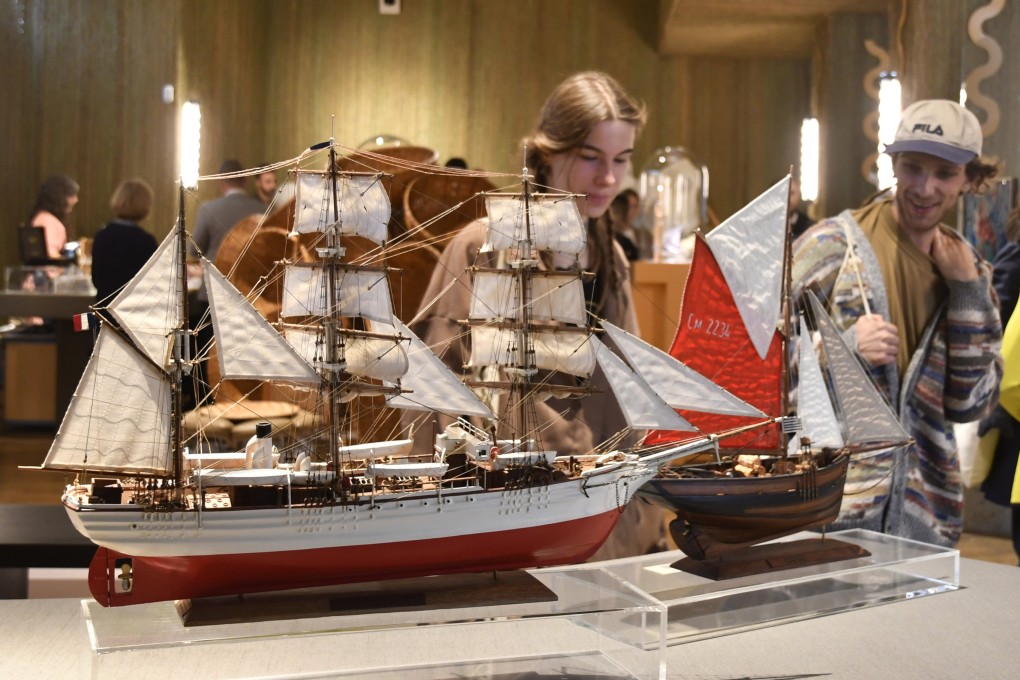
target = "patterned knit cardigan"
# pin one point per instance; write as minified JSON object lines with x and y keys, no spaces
{"x":915,"y":492}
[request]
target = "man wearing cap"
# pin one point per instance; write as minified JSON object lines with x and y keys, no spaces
{"x":916,"y":302}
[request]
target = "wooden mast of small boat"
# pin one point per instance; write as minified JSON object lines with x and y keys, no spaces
{"x":787,"y":288}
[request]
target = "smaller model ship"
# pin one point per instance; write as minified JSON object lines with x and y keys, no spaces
{"x":759,"y":487}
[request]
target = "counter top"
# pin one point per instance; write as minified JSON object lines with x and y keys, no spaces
{"x":48,"y":305}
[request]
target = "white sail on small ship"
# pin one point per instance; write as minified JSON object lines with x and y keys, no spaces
{"x":174,"y":520}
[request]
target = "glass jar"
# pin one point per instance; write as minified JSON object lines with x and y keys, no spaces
{"x":674,"y":203}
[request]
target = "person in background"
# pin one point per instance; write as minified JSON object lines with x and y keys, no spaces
{"x":997,"y":487}
{"x":217,"y":217}
{"x":121,"y":247}
{"x":266,"y":185}
{"x":214,"y":221}
{"x":52,"y":211}
{"x":583,"y":144}
{"x":916,"y":302}
{"x":624,"y":212}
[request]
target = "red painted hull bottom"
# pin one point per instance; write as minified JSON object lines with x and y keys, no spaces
{"x":157,"y":579}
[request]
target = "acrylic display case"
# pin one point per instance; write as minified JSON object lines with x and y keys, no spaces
{"x":896,"y":569}
{"x":606,"y":620}
{"x":594,"y":626}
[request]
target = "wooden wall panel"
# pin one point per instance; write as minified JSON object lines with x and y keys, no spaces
{"x":88,"y":78}
{"x":1003,"y":86}
{"x":475,"y":92}
{"x":345,"y":69}
{"x":19,"y":164}
{"x":222,"y":63}
{"x":933,"y":36}
{"x":464,"y":77}
{"x":740,"y":117}
{"x":843,"y":106}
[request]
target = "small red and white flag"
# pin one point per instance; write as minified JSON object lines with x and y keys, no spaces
{"x":83,"y":322}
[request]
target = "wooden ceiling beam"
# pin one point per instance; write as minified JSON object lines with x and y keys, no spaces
{"x":749,"y":28}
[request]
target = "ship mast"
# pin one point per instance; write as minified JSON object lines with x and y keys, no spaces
{"x":786,"y":292}
{"x":334,"y":360}
{"x":181,"y":347}
{"x":525,"y":264}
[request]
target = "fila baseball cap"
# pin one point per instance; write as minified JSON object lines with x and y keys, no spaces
{"x":938,"y":127}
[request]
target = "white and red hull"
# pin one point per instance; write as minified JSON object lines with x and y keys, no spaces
{"x":188,"y":554}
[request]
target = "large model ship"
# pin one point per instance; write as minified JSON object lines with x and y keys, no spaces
{"x":732,"y":329}
{"x":328,"y":504}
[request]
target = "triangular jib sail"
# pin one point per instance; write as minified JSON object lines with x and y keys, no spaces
{"x":675,"y":383}
{"x":749,"y":248}
{"x":429,"y":384}
{"x":248,"y":347}
{"x":148,"y":309}
{"x":814,"y":406}
{"x":641,"y":406}
{"x":868,"y":418}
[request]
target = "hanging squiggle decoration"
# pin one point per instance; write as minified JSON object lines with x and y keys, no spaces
{"x":989,"y":68}
{"x":870,"y":122}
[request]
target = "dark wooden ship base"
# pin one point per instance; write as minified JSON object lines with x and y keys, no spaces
{"x":415,"y":594}
{"x":770,"y":557}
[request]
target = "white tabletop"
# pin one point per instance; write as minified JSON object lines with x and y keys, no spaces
{"x":969,"y":633}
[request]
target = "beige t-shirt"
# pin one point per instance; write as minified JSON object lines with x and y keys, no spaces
{"x":913,"y":284}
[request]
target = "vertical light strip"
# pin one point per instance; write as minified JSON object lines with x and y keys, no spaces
{"x":888,"y":120}
{"x":809,"y":159}
{"x":190,"y":142}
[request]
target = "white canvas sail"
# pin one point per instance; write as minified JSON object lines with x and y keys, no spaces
{"x":247,"y":346}
{"x":814,"y":407}
{"x":118,"y":420}
{"x":749,"y":249}
{"x":555,"y":223}
{"x":679,"y":386}
{"x":364,"y":207}
{"x":869,"y":419}
{"x":555,"y":350}
{"x":148,"y":309}
{"x":431,"y":385}
{"x":359,"y":292}
{"x":641,"y":406}
{"x":366,"y":356}
{"x":555,"y":296}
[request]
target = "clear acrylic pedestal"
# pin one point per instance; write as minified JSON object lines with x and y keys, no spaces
{"x":699,"y":608}
{"x":596,"y":627}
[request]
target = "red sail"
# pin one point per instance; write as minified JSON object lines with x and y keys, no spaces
{"x":712,"y":340}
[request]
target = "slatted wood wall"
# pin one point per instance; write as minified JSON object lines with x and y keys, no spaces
{"x":82,"y":83}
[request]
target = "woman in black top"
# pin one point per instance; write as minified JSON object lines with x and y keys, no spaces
{"x":122,"y":247}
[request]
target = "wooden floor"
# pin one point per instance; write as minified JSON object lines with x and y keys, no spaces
{"x":23,"y":446}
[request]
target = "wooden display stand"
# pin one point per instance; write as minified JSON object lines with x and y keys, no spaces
{"x":766,"y":558}
{"x":658,"y":291}
{"x":404,"y":595}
